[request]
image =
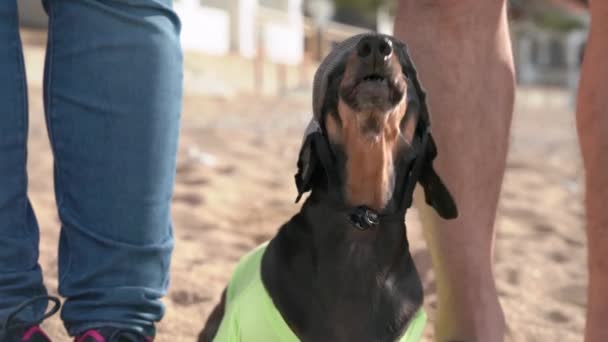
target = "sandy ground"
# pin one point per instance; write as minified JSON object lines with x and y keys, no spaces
{"x":235,"y":187}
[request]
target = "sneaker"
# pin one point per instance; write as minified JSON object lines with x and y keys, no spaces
{"x":14,"y":330}
{"x":110,"y":334}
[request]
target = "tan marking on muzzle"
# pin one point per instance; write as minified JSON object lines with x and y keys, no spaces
{"x":370,"y":159}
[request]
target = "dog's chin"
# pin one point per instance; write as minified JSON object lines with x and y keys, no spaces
{"x":376,"y":100}
{"x":373,"y":96}
{"x":372,"y":128}
{"x":377,"y":95}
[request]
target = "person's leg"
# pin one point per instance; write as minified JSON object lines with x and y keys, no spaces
{"x":592,"y":122}
{"x":113,"y":88}
{"x":463,"y":54}
{"x":20,"y":275}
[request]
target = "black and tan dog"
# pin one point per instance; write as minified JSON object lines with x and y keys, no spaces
{"x":340,"y":269}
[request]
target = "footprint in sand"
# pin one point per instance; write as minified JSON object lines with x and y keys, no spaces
{"x":573,"y":243}
{"x":558,"y":257}
{"x":502,"y":293}
{"x":521,"y":214}
{"x":197,"y":262}
{"x":557,"y":317}
{"x":241,"y":246}
{"x":260,"y":238}
{"x":187,"y":237}
{"x":186,"y":298}
{"x":273,"y":184}
{"x":185,"y":168}
{"x":226,"y":170}
{"x":509,"y":195}
{"x":195,"y":181}
{"x":543,"y":228}
{"x":513,"y":276}
{"x":532,"y":184}
{"x":574,"y":294}
{"x":191,"y":199}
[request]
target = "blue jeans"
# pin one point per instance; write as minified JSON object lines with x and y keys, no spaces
{"x":112,"y":91}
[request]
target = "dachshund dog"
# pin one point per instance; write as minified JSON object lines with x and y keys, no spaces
{"x":340,"y":270}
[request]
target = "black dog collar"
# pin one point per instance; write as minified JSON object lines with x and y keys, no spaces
{"x":363,"y":218}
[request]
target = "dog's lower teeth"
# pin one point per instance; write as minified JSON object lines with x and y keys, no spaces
{"x":374,"y":78}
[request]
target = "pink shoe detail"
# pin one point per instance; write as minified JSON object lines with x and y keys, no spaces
{"x":34,"y":330}
{"x":93,"y":334}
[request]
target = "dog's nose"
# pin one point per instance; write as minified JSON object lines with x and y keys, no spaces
{"x":374,"y":48}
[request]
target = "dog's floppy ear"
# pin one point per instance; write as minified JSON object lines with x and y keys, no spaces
{"x":315,"y":156}
{"x":307,"y":164}
{"x":435,"y":191}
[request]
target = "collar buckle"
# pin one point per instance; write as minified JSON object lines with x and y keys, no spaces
{"x":363,"y":218}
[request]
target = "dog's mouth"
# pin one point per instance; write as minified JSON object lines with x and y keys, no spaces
{"x":374,"y":91}
{"x":377,"y":78}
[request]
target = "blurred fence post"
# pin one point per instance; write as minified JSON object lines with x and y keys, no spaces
{"x":282,"y":78}
{"x":527,"y":72}
{"x":283,"y":40}
{"x":574,"y":45}
{"x":303,"y":81}
{"x":322,"y":11}
{"x":258,"y":65}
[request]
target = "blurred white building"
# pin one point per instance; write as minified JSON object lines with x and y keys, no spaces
{"x":245,"y":27}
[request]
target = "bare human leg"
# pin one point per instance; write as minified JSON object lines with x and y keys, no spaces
{"x":463,"y":54}
{"x":592,"y":124}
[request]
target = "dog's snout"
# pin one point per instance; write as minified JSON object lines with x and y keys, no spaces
{"x":374,"y":48}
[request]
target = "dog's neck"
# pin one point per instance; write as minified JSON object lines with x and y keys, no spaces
{"x":369,"y":142}
{"x":332,"y":233}
{"x":369,"y":176}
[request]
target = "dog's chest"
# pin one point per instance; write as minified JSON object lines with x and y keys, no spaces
{"x":351,"y":303}
{"x":334,"y":286}
{"x":355,"y":312}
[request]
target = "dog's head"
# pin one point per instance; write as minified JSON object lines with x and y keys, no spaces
{"x":370,"y":115}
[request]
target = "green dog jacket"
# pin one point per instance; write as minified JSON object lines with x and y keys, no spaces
{"x":250,"y":315}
